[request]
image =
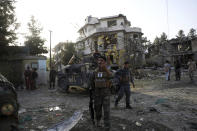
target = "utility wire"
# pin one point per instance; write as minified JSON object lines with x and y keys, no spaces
{"x":167,"y":18}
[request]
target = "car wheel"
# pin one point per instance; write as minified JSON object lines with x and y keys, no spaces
{"x":63,"y":85}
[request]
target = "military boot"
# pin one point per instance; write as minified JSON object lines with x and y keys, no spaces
{"x":107,"y":129}
{"x":116,"y":104}
{"x":128,"y":107}
{"x":98,"y":124}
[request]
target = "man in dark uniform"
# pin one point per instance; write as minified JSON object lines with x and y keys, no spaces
{"x":177,"y":66}
{"x":34,"y":76}
{"x":52,"y":76}
{"x":27,"y":75}
{"x":124,"y":76}
{"x":100,"y":83}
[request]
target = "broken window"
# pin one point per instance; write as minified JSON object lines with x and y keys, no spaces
{"x":34,"y":65}
{"x":109,"y":39}
{"x":135,"y":36}
{"x":111,"y":23}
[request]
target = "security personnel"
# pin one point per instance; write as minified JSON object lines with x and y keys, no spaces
{"x":125,"y":78}
{"x":52,"y":77}
{"x":101,"y":86}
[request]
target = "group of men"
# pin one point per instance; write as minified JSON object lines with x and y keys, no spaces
{"x":100,"y":86}
{"x":177,"y":68}
{"x":30,"y":78}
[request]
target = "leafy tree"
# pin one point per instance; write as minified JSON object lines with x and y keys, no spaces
{"x":34,"y":42}
{"x":192,"y":33}
{"x":8,"y":23}
{"x":163,"y":37}
{"x":156,"y":41}
{"x":180,"y":34}
{"x":159,"y":44}
{"x":52,"y":63}
{"x":67,"y":52}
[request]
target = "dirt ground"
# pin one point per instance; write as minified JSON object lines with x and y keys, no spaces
{"x":158,"y":105}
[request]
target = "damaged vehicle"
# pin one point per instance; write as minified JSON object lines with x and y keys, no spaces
{"x":8,"y":106}
{"x":74,"y":75}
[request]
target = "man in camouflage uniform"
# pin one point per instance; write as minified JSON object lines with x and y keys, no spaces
{"x":52,"y":77}
{"x":27,"y":75}
{"x":124,"y":76}
{"x":191,"y":68}
{"x":101,"y":91}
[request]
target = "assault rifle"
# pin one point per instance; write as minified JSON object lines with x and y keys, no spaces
{"x":91,"y":106}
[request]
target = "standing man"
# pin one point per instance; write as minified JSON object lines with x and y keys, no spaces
{"x":34,"y":77}
{"x":125,"y":77}
{"x":167,"y":70}
{"x":191,"y":68}
{"x":52,"y":76}
{"x":177,"y":66}
{"x":27,"y":75}
{"x":100,"y":84}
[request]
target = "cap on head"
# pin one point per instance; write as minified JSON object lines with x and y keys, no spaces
{"x":102,"y":57}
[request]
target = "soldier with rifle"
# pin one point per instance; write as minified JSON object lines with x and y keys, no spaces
{"x":100,"y":93}
{"x":125,"y":77}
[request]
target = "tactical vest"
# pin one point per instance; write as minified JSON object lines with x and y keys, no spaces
{"x":125,"y":77}
{"x":101,"y":80}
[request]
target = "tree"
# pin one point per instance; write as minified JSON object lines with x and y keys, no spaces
{"x":8,"y":23}
{"x":34,"y":42}
{"x":67,"y":52}
{"x":158,"y":46}
{"x":156,"y":41}
{"x":180,"y":34}
{"x":192,"y":33}
{"x":163,"y":38}
{"x":52,"y":63}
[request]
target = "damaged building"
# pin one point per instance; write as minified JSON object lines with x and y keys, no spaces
{"x":183,"y":49}
{"x":111,"y":36}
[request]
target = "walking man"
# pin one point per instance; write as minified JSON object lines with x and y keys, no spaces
{"x":177,"y":66}
{"x":191,"y":68}
{"x":34,"y":78}
{"x":52,"y":76}
{"x":125,"y":77}
{"x":167,"y":70}
{"x":101,"y":89}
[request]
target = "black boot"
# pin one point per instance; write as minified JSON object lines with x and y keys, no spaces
{"x":116,"y":104}
{"x":128,"y":107}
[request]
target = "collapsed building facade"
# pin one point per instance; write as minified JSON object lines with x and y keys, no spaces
{"x":183,"y":49}
{"x":110,"y":36}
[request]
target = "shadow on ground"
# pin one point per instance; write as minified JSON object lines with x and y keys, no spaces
{"x":119,"y":124}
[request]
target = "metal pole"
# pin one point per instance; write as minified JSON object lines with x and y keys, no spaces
{"x":50,"y":54}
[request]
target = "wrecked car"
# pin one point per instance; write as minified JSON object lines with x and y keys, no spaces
{"x":74,"y":75}
{"x":8,"y":106}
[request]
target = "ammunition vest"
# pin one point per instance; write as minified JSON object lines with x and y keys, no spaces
{"x":101,"y":80}
{"x":125,"y":76}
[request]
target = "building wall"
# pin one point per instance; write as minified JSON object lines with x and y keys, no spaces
{"x":91,"y":29}
{"x":194,"y":49}
{"x":12,"y":70}
{"x":101,"y":26}
{"x":194,"y":45}
{"x":88,"y":43}
{"x":120,"y":39}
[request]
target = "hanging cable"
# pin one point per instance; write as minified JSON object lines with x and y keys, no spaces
{"x":167,"y":18}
